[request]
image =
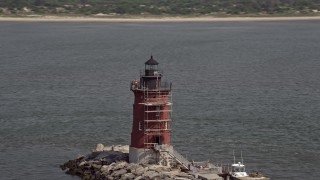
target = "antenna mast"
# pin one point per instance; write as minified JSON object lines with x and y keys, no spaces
{"x":241,"y":158}
{"x":234,"y":158}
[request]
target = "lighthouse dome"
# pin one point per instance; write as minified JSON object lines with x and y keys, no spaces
{"x":151,"y":62}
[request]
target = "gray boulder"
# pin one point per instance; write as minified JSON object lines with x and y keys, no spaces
{"x":99,"y":147}
{"x":138,"y":171}
{"x":138,"y":178}
{"x":119,"y":172}
{"x":104,"y":168}
{"x":132,"y":166}
{"x":151,"y":174}
{"x":183,"y":174}
{"x":96,"y":167}
{"x":120,"y":165}
{"x":110,"y":177}
{"x":128,"y":176}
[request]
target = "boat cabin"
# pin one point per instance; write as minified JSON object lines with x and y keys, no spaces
{"x":238,"y":170}
{"x":238,"y":167}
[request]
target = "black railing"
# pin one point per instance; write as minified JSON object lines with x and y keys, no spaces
{"x":165,"y":86}
{"x":151,"y":73}
{"x":135,"y":85}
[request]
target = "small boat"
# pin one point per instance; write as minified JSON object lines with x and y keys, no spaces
{"x":238,"y":172}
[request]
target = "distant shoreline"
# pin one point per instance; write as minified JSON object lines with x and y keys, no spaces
{"x":151,"y":19}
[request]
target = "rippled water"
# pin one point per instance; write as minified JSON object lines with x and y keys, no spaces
{"x":250,"y":86}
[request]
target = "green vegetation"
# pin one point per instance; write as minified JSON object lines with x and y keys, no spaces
{"x":160,"y":7}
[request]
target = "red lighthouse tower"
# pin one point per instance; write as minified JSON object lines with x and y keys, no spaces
{"x":151,"y":115}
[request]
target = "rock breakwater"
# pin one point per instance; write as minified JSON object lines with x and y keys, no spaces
{"x":112,"y":162}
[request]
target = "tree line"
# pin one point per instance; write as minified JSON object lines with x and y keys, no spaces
{"x":159,"y":7}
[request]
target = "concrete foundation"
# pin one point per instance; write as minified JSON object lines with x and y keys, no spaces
{"x":143,"y":156}
{"x":159,"y":155}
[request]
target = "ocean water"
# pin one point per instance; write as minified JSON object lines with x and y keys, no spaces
{"x":251,"y":87}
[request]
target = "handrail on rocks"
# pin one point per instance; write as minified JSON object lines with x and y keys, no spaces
{"x":174,"y":154}
{"x":183,"y":161}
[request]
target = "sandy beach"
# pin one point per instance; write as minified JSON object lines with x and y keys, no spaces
{"x":151,"y":19}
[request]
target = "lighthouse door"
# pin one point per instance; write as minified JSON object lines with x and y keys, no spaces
{"x":159,"y":140}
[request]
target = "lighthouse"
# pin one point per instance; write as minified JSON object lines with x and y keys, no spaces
{"x":151,"y":128}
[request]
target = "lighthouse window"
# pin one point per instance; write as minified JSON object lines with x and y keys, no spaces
{"x":166,"y":126}
{"x":158,"y":111}
{"x":140,"y":126}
